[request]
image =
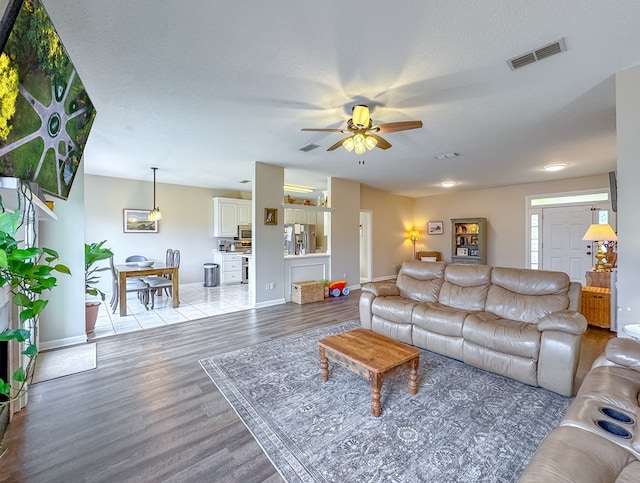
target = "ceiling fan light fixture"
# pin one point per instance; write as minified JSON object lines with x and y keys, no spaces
{"x":370,"y":142}
{"x":348,"y":144}
{"x":360,"y":148}
{"x":360,"y":115}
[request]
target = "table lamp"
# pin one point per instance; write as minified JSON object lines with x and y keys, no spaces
{"x":413,"y":236}
{"x":600,"y":233}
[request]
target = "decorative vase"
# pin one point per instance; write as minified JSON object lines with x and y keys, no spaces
{"x":91,"y":315}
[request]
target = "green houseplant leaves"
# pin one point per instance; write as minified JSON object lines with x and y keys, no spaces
{"x":29,"y":272}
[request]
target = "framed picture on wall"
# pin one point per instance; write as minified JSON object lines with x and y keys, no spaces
{"x":136,"y":221}
{"x":271,"y":216}
{"x":435,"y":228}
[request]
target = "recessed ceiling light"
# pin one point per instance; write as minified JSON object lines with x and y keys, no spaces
{"x":555,"y":167}
{"x":447,"y":155}
{"x":448,"y":184}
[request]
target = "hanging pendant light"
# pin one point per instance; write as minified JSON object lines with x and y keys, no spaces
{"x":155,"y":214}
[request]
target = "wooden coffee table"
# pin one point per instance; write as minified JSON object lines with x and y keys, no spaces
{"x":371,"y":355}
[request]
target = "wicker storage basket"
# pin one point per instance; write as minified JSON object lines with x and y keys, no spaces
{"x":596,"y":306}
{"x":307,"y":292}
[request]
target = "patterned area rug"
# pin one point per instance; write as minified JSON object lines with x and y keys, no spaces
{"x":464,"y":425}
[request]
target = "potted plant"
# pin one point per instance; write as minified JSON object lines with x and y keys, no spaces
{"x":93,"y":253}
{"x":28,"y":272}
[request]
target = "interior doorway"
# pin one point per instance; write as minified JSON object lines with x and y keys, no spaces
{"x":366,"y":246}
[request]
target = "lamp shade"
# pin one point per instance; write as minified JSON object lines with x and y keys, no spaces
{"x":414,"y":235}
{"x":600,"y":232}
{"x":348,"y":144}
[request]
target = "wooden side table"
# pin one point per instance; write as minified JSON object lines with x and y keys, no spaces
{"x":596,"y":306}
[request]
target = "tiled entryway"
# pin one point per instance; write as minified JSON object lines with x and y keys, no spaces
{"x":196,"y":302}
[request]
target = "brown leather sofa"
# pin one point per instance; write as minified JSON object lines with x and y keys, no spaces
{"x":523,"y":324}
{"x":598,"y":440}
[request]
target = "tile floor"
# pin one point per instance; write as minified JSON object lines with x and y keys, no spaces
{"x":196,"y":302}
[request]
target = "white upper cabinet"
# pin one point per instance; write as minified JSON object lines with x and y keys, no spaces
{"x":244,"y":212}
{"x":228,"y":213}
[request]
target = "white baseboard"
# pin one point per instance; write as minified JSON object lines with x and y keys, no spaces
{"x":269,"y":303}
{"x":55,"y":344}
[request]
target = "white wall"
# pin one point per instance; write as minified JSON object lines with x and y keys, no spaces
{"x":344,"y":199}
{"x":391,"y":220}
{"x":62,"y":321}
{"x":628,"y":168}
{"x":268,"y":255}
{"x":505,"y":210}
{"x":187,"y":221}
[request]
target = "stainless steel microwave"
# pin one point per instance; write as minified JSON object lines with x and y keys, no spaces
{"x":244,"y":232}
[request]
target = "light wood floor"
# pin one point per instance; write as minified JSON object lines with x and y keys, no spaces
{"x":149,"y":412}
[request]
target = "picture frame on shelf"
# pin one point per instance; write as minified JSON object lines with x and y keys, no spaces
{"x":473,"y":252}
{"x":136,"y":221}
{"x":435,"y":228}
{"x":271,"y":216}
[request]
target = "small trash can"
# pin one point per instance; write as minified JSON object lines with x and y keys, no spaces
{"x":211,"y":274}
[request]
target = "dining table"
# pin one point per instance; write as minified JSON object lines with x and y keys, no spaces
{"x":132,"y":269}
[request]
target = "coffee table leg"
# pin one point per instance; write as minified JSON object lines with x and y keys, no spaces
{"x":324,"y":365}
{"x":375,"y":380}
{"x":413,"y":377}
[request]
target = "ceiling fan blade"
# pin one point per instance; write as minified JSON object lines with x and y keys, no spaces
{"x":338,"y":144}
{"x":398,"y":126}
{"x":382,"y":142}
{"x":323,"y":130}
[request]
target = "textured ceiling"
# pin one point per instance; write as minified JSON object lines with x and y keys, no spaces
{"x":203,"y":89}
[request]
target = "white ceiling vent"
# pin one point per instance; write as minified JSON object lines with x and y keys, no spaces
{"x":538,"y":54}
{"x":309,"y":147}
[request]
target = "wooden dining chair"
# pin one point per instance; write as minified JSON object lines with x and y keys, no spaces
{"x":157,"y":284}
{"x":133,"y":285}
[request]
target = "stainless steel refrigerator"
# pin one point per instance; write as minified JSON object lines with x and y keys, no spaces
{"x":299,"y":238}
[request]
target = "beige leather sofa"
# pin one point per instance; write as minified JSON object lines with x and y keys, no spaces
{"x":599,"y":438}
{"x":523,"y":324}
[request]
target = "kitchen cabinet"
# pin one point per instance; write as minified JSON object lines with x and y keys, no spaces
{"x":230,"y":267}
{"x":308,"y":214}
{"x":228,"y":213}
{"x":469,"y":240}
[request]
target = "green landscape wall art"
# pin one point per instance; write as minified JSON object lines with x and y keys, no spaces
{"x":45,"y":111}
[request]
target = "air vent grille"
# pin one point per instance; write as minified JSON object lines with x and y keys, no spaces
{"x":538,"y":54}
{"x":309,"y":147}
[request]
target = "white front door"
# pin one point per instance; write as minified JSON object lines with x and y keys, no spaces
{"x":563,"y":249}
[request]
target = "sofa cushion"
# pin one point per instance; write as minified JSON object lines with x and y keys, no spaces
{"x":502,"y":335}
{"x":438,"y":318}
{"x":570,"y":455}
{"x":465,"y":286}
{"x":420,"y":281}
{"x":395,"y":308}
{"x":526,"y":295}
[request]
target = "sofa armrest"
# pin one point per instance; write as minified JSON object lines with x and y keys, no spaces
{"x":565,"y":321}
{"x":624,"y":352}
{"x":381,"y":289}
{"x":561,"y":336}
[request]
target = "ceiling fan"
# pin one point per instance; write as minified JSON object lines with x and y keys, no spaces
{"x":363,"y":134}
